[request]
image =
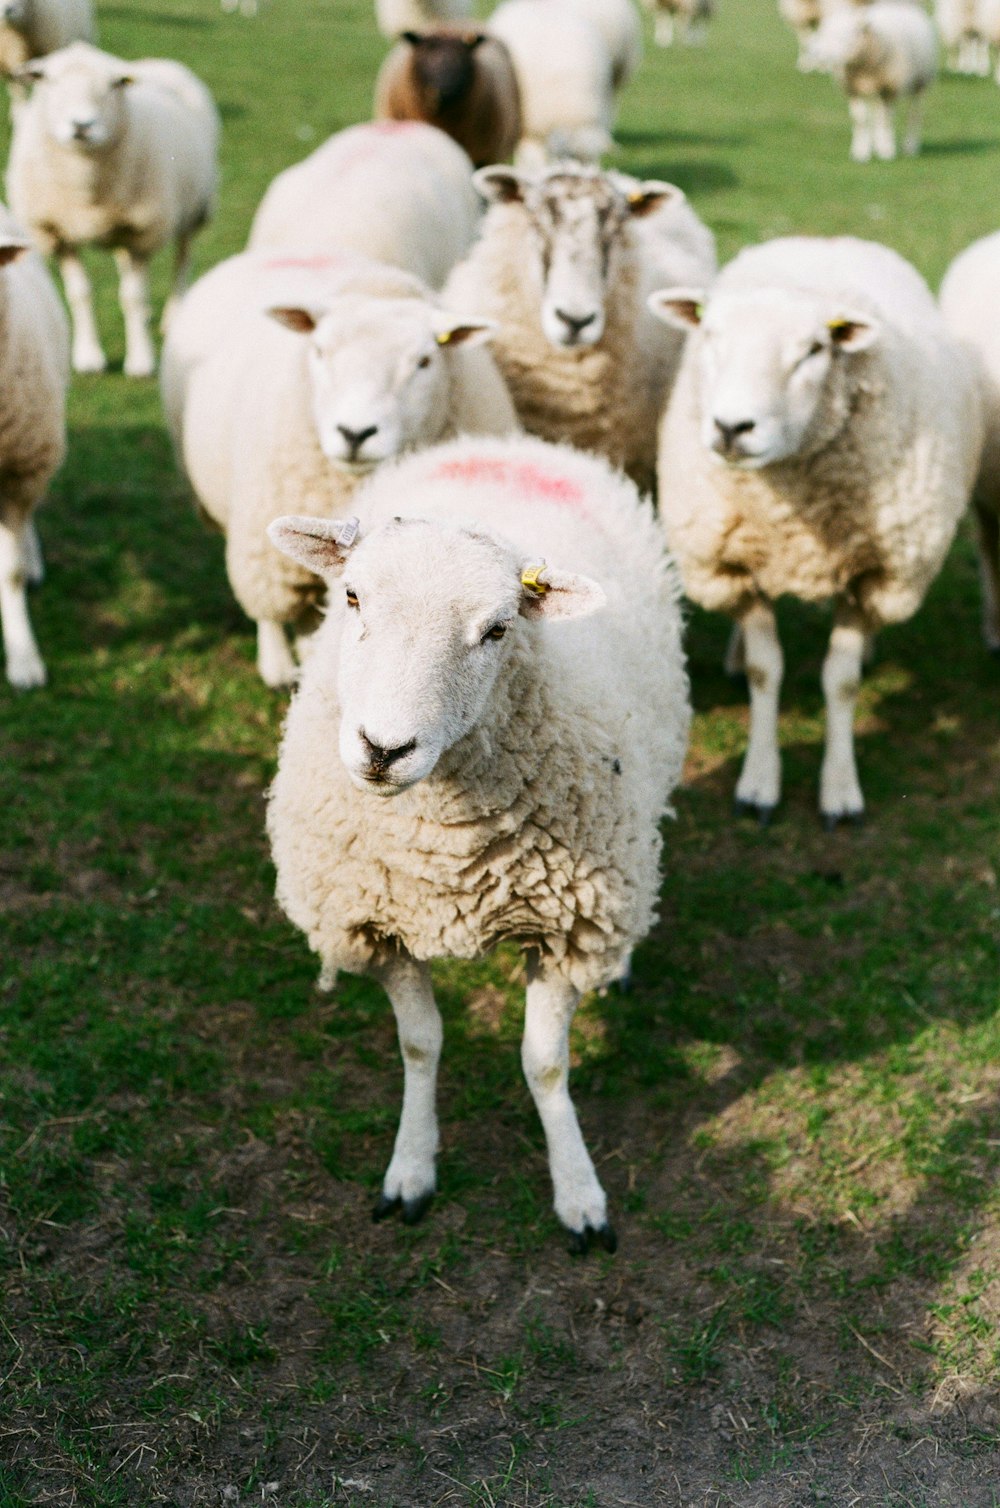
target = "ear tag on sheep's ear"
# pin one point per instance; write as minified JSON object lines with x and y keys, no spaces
{"x":444,"y":339}
{"x":348,"y":533}
{"x":531,"y":580}
{"x":838,"y":327}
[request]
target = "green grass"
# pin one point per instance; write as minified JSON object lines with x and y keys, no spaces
{"x":796,"y":1114}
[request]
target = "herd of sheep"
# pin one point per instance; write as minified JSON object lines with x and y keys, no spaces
{"x":469,"y":428}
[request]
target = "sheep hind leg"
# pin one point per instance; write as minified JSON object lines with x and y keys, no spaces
{"x":914,"y":125}
{"x":734,"y":661}
{"x":133,"y":295}
{"x":988,"y":538}
{"x":884,"y":130}
{"x":840,"y":795}
{"x":663,"y":29}
{"x":25,"y":667}
{"x":34,"y":560}
{"x":275,"y":661}
{"x":88,"y":355}
{"x":759,"y":787}
{"x":579,"y":1201}
{"x":410,"y":1179}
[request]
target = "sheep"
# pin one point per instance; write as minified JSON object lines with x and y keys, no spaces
{"x":34,"y":375}
{"x":265,"y":419}
{"x":503,"y":768}
{"x":879,"y":54}
{"x":821,"y":441}
{"x":119,"y":155}
{"x":398,"y":192}
{"x":691,"y":17}
{"x":804,"y":17}
{"x":462,"y":82}
{"x":393,"y":17}
{"x":564,"y":264}
{"x":970,"y":306}
{"x":619,"y":25}
{"x":31,"y":28}
{"x":965,"y":28}
{"x":565,"y":73}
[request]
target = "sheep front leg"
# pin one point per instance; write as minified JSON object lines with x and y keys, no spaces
{"x":884,"y":129}
{"x":988,"y":534}
{"x":88,"y":355}
{"x":579,"y":1201}
{"x":861,"y":137}
{"x":410,"y":1178}
{"x":133,"y":295}
{"x":839,"y":788}
{"x":759,"y":786}
{"x":25,"y":667}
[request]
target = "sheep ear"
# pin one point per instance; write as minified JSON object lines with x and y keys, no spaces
{"x":12,"y":248}
{"x":500,"y":185}
{"x":680,"y":307}
{"x":122,"y":81}
{"x":302,"y":321}
{"x":413,"y":37}
{"x":548,"y":593}
{"x":475,"y":40}
{"x":652,"y":194}
{"x":450,"y":332}
{"x":853,"y":332}
{"x":320,"y":544}
{"x":29,"y":74}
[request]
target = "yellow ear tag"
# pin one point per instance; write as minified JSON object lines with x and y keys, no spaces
{"x":530,"y":580}
{"x":838,"y":326}
{"x":699,"y":311}
{"x":445,"y":339}
{"x":636,"y":197}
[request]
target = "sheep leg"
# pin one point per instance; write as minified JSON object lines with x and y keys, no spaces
{"x":759,"y":786}
{"x":133,"y":296}
{"x":34,"y":560}
{"x":988,"y":537}
{"x":839,"y":789}
{"x":275,"y":660}
{"x":25,"y":667}
{"x":579,"y":1201}
{"x":182,"y":279}
{"x":734,"y":661}
{"x":410,"y":1178}
{"x":884,"y":130}
{"x":914,"y":125}
{"x":861,"y":136}
{"x":87,"y":353}
{"x":663,"y":29}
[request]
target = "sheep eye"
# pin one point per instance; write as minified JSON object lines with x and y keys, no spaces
{"x":424,"y":361}
{"x":496,"y":632}
{"x":352,"y":598}
{"x":815,"y":348}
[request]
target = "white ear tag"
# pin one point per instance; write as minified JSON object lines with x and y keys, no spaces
{"x":348,"y":533}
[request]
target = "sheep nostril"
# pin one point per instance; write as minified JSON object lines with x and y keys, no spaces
{"x":355,"y":438}
{"x":381,"y":758}
{"x":730,"y":432}
{"x":575,"y":323}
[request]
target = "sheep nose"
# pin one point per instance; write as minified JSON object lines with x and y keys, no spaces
{"x":82,"y":128}
{"x":576,"y":323}
{"x":728,"y":433}
{"x":355,"y":438}
{"x":380,"y":758}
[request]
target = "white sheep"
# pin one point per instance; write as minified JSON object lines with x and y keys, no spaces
{"x":965,"y":28}
{"x":32,"y":28}
{"x":688,"y":17}
{"x":393,"y":17}
{"x":357,"y":364}
{"x":804,"y":17}
{"x":821,"y":442}
{"x":529,"y":744}
{"x":34,"y":375}
{"x":119,"y":155}
{"x":564,"y":265}
{"x":398,"y":192}
{"x":565,"y":73}
{"x":970,"y":305}
{"x":879,"y":54}
{"x":620,"y":26}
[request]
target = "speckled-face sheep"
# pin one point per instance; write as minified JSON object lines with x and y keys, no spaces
{"x":510,"y":732}
{"x":34,"y":375}
{"x":880,"y":54}
{"x":353,"y":368}
{"x":398,"y":192}
{"x":689,"y":18}
{"x":463,"y":82}
{"x":821,"y":442}
{"x":31,"y":28}
{"x":119,"y":155}
{"x":565,"y":73}
{"x":970,"y":304}
{"x":396,"y":16}
{"x":564,"y":265}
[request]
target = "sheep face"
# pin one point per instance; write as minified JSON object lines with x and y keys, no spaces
{"x":429,"y":612}
{"x":380,"y":374}
{"x":577,"y":223}
{"x":443,"y":67}
{"x":81,"y":92}
{"x":774,"y":376}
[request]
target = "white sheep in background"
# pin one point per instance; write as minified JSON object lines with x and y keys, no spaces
{"x":529,"y":743}
{"x":970,"y":305}
{"x":689,"y":18}
{"x":879,"y":54}
{"x":964,"y":27}
{"x":821,"y":442}
{"x":804,"y":17}
{"x":564,"y":265}
{"x":34,"y":376}
{"x":358,"y":364}
{"x":565,"y":73}
{"x":119,"y":155}
{"x":399,"y":192}
{"x":393,"y":17}
{"x":620,"y":26}
{"x":32,"y":28}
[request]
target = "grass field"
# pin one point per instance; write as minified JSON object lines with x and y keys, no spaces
{"x":796,"y":1114}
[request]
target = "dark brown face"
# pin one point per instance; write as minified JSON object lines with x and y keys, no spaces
{"x":444,"y":66}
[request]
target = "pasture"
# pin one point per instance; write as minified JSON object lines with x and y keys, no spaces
{"x":796,"y":1113}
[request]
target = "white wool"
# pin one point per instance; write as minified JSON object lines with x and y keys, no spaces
{"x":565,"y":74}
{"x":395,"y":16}
{"x":689,"y":18}
{"x":621,"y":29}
{"x":879,"y":54}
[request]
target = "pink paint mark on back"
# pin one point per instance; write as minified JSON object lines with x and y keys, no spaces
{"x":312,"y":264}
{"x":361,"y":143}
{"x":526,"y":478}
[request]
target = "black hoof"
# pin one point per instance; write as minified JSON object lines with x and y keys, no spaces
{"x":624,"y":984}
{"x":763,"y":814}
{"x":412,"y":1210}
{"x":580,"y":1241}
{"x":832,"y":820}
{"x":385,"y":1206}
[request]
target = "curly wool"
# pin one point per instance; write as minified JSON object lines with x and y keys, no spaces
{"x":541,"y":825}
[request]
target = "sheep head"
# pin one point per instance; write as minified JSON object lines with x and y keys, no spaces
{"x":443,"y":66}
{"x":82,"y":94}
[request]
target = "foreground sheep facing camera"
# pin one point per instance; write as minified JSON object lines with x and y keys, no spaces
{"x":119,"y":155}
{"x":879,"y":54}
{"x":564,"y":265}
{"x":821,"y":442}
{"x":529,"y":725}
{"x":463,"y":82}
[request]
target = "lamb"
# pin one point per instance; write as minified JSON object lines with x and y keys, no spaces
{"x":970,"y":306}
{"x":265,"y":419}
{"x":821,"y":442}
{"x":34,"y":375}
{"x":880,"y":54}
{"x":393,"y":17}
{"x":690,"y":17}
{"x":31,"y":28}
{"x":506,"y":750}
{"x":462,"y":82}
{"x":398,"y":192}
{"x":119,"y":155}
{"x":564,"y":264}
{"x":565,"y":73}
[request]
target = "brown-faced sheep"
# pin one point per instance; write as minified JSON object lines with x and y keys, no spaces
{"x":459,"y":80}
